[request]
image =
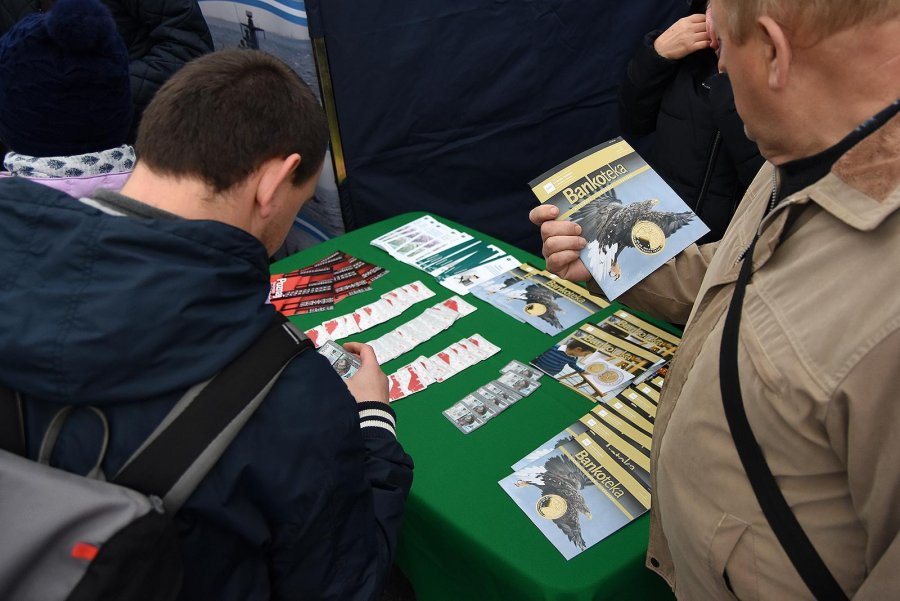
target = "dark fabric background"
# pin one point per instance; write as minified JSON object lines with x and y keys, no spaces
{"x":453,"y":107}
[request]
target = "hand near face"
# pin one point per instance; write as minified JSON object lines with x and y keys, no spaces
{"x":369,"y":383}
{"x":562,"y":242}
{"x":684,"y":37}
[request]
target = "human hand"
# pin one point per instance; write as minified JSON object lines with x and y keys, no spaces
{"x":562,"y":243}
{"x":685,"y":36}
{"x":369,"y":383}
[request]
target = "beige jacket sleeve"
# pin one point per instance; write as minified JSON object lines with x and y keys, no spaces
{"x":669,"y":292}
{"x":862,"y":423}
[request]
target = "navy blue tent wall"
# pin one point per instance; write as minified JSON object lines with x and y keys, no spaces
{"x":452,"y":106}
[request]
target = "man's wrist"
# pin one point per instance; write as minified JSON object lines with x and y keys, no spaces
{"x":377,"y":418}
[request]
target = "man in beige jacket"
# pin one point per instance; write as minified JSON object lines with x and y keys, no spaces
{"x":816,"y":84}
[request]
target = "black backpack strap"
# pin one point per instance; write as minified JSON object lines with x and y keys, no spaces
{"x":782,"y":520}
{"x":185,"y":446}
{"x":12,"y":425}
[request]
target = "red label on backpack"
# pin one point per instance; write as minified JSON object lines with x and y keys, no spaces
{"x":84,"y":551}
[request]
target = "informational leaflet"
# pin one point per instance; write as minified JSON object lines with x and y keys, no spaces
{"x":593,"y":477}
{"x":633,"y":221}
{"x":539,"y":298}
{"x":486,"y":402}
{"x":420,"y":238}
{"x":597,"y":364}
{"x":424,"y":371}
{"x":642,"y":333}
{"x":411,"y":334}
{"x":454,"y":258}
{"x":322,"y":284}
{"x":578,"y":493}
{"x":390,"y":305}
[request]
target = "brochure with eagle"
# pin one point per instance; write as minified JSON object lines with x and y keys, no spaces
{"x":597,"y":364}
{"x":642,"y":333}
{"x":539,"y":298}
{"x":633,"y":221}
{"x":582,"y":489}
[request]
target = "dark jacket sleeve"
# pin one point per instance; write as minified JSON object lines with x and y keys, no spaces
{"x":743,"y":152}
{"x":640,"y":95}
{"x":174,"y":33}
{"x":13,"y":11}
{"x":343,"y":502}
{"x":388,"y":470}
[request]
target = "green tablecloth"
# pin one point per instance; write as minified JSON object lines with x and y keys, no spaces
{"x":463,"y":537}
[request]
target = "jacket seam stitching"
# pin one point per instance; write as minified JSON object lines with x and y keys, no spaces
{"x":854,"y":359}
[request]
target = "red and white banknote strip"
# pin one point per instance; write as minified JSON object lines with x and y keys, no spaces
{"x":424,"y":371}
{"x":390,"y":305}
{"x":408,"y":336}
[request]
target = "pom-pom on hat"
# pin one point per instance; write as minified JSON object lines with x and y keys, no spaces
{"x":64,"y":84}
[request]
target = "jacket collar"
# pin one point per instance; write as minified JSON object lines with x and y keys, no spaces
{"x":863,"y":188}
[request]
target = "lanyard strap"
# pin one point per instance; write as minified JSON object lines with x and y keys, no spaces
{"x":782,"y":520}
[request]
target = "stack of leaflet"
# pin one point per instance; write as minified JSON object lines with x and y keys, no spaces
{"x":539,"y":298}
{"x":408,"y":336}
{"x":477,"y":408}
{"x":424,"y":371}
{"x":390,"y":305}
{"x":593,"y":477}
{"x":322,"y":284}
{"x":600,"y":360}
{"x":456,"y":259}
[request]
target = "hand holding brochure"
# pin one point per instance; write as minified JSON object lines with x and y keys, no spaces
{"x":633,"y":221}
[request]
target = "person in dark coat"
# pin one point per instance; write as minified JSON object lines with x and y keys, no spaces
{"x":12,"y":11}
{"x":672,"y":87}
{"x":124,"y":301}
{"x":161,"y":36}
{"x":65,"y":99}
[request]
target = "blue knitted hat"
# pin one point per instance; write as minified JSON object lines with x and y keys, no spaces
{"x":64,"y":85}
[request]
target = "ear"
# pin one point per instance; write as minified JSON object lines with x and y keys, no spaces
{"x":272,"y":174}
{"x":778,"y":51}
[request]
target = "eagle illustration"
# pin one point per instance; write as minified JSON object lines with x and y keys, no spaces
{"x":536,"y":295}
{"x":607,"y":225}
{"x":559,"y":476}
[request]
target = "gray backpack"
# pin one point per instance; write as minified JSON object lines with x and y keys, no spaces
{"x":79,"y":538}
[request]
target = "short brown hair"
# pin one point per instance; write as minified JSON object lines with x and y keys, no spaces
{"x":226,"y":113}
{"x":816,"y":18}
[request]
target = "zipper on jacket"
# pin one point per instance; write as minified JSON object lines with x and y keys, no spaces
{"x":773,"y":199}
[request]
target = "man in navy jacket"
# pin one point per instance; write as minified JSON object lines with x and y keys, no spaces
{"x":124,"y":301}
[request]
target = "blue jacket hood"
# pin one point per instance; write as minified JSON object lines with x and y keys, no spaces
{"x":96,"y":308}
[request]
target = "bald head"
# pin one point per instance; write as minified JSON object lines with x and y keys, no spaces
{"x":814,"y":18}
{"x":805,"y":73}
